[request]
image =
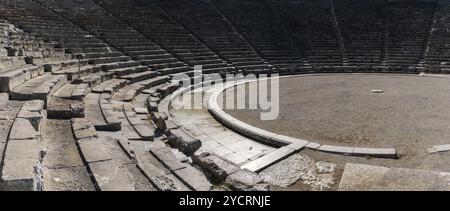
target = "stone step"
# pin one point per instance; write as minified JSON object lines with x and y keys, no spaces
{"x":174,"y":70}
{"x":67,"y":102}
{"x":189,"y":175}
{"x":33,"y":111}
{"x":100,"y":113}
{"x":99,"y":55}
{"x":127,"y":93}
{"x":13,"y":77}
{"x":151,"y":56}
{"x":61,"y":65}
{"x":77,"y":72}
{"x":63,"y":166}
{"x":147,"y":52}
{"x":140,"y":76}
{"x":155,"y":171}
{"x":145,"y":130}
{"x":154,"y":81}
{"x":110,"y":86}
{"x":140,"y":48}
{"x":39,"y":88}
{"x":94,"y":79}
{"x":111,"y":167}
{"x":119,"y":65}
{"x":128,"y":70}
{"x":109,"y":60}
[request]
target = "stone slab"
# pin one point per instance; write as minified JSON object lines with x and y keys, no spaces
{"x":375,"y":152}
{"x":359,"y":177}
{"x":22,"y":129}
{"x":33,"y":112}
{"x":111,"y":177}
{"x":145,"y":132}
{"x":94,"y":150}
{"x":67,"y":179}
{"x":312,"y":145}
{"x":20,"y":159}
{"x":169,"y":183}
{"x":269,"y":159}
{"x":218,"y":167}
{"x":194,"y":178}
{"x":166,"y":156}
{"x":243,"y":180}
{"x":439,"y":148}
{"x":61,"y":154}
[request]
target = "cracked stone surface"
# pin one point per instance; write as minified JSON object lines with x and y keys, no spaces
{"x":287,"y":171}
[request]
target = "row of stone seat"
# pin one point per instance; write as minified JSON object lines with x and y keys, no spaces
{"x":361,"y":24}
{"x":408,"y":27}
{"x":156,"y":24}
{"x":436,"y":55}
{"x":118,"y":34}
{"x":212,"y":28}
{"x":27,"y":85}
{"x":312,"y":28}
{"x":261,"y":26}
{"x":65,"y":102}
{"x":40,"y":19}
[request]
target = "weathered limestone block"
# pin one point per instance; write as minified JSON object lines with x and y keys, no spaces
{"x":110,"y":176}
{"x":12,"y":78}
{"x":184,"y":142}
{"x":244,"y":180}
{"x":60,"y":108}
{"x":194,"y":178}
{"x":21,"y":158}
{"x":217,"y":167}
{"x":94,"y":151}
{"x":22,"y":129}
{"x":168,"y":182}
{"x":83,"y":129}
{"x":166,"y":156}
{"x":33,"y":112}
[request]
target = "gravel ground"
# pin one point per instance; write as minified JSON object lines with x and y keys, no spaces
{"x":411,"y":114}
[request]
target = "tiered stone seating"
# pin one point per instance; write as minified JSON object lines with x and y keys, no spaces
{"x":408,"y":23}
{"x":167,"y":32}
{"x":313,"y":29}
{"x":361,"y":24}
{"x":438,"y":54}
{"x":21,"y":56}
{"x":127,"y":105}
{"x":98,"y":22}
{"x":211,"y":27}
{"x":40,"y":87}
{"x":86,"y":48}
{"x":261,"y":26}
{"x":86,"y":92}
